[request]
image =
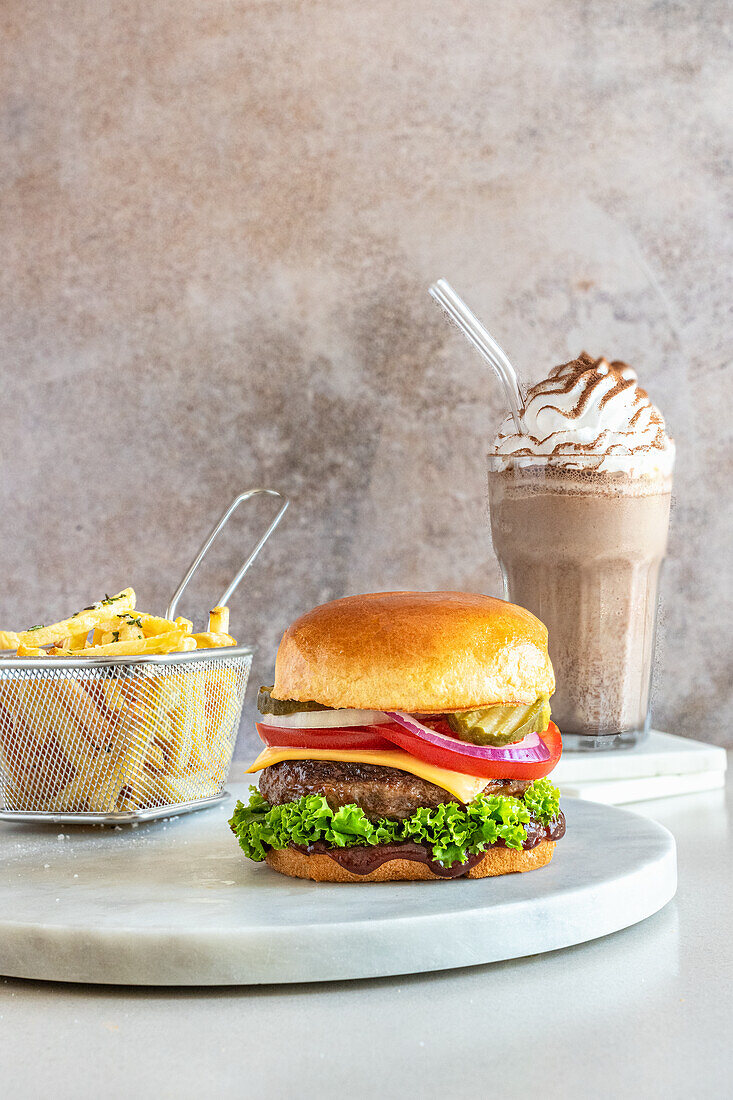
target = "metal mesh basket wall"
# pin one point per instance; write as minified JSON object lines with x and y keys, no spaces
{"x":118,"y":740}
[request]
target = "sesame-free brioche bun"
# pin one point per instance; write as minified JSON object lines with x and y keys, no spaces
{"x":321,"y":868}
{"x":414,"y":651}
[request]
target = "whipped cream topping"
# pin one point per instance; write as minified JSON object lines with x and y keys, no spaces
{"x":590,"y":407}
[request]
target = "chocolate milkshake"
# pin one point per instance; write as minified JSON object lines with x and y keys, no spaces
{"x":579,"y":518}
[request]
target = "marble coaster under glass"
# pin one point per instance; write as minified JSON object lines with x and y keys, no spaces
{"x":661,"y":765}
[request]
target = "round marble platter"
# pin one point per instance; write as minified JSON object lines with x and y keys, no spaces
{"x":176,"y":903}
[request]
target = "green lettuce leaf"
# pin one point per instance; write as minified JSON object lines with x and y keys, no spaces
{"x":453,"y":832}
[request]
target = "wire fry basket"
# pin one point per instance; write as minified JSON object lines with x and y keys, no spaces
{"x":123,"y":739}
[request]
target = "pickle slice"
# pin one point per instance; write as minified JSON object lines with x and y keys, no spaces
{"x":267,"y":705}
{"x":501,"y":725}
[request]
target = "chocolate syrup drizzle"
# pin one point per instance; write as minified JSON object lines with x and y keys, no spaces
{"x":587,"y":375}
{"x":364,"y":860}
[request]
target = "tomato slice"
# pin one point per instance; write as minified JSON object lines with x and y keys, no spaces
{"x":344,"y":737}
{"x":445,"y":757}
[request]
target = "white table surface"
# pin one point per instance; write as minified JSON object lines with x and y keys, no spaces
{"x":646,"y":1011}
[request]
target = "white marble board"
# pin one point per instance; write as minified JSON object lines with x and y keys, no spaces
{"x":176,"y":903}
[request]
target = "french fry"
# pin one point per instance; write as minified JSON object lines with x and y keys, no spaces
{"x":122,"y":628}
{"x":27,"y":789}
{"x":8,"y":639}
{"x":209,"y":640}
{"x":222,"y":708}
{"x":154,"y":624}
{"x":36,"y":769}
{"x":221,"y":685}
{"x":155,"y":758}
{"x":48,"y":750}
{"x":159,"y":643}
{"x":178,"y":705}
{"x":95,"y":790}
{"x":186,"y":624}
{"x":115,"y":696}
{"x":14,"y":796}
{"x":156,"y":702}
{"x":179,"y":745}
{"x":139,"y":791}
{"x":219,"y":620}
{"x":196,"y":716}
{"x":99,"y":727}
{"x":168,"y":643}
{"x":74,"y":797}
{"x":129,"y":632}
{"x":115,"y":623}
{"x":80,"y":623}
{"x":168,"y":692}
{"x":51,"y":721}
{"x":184,"y":788}
{"x":105,"y":784}
{"x":76,"y":643}
{"x":114,"y":649}
{"x":29,"y":651}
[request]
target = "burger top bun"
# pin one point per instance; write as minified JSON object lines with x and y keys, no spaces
{"x":414,"y":651}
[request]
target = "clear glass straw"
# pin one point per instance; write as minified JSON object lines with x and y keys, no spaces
{"x":485,"y":344}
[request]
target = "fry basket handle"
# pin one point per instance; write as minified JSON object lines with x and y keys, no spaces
{"x":224,"y":599}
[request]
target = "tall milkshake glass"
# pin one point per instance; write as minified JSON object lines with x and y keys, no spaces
{"x":580,"y":534}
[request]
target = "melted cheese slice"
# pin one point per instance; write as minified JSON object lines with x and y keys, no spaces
{"x":464,"y":787}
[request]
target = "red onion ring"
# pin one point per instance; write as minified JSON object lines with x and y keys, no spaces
{"x":530,"y":750}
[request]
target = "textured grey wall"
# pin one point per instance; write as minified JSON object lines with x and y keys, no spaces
{"x":219,"y":222}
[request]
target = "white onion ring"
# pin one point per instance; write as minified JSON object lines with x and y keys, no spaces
{"x":324,"y":719}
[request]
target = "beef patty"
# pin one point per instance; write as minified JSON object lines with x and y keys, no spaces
{"x":381,"y":792}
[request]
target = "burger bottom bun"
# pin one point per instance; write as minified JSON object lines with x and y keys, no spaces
{"x":321,"y":868}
